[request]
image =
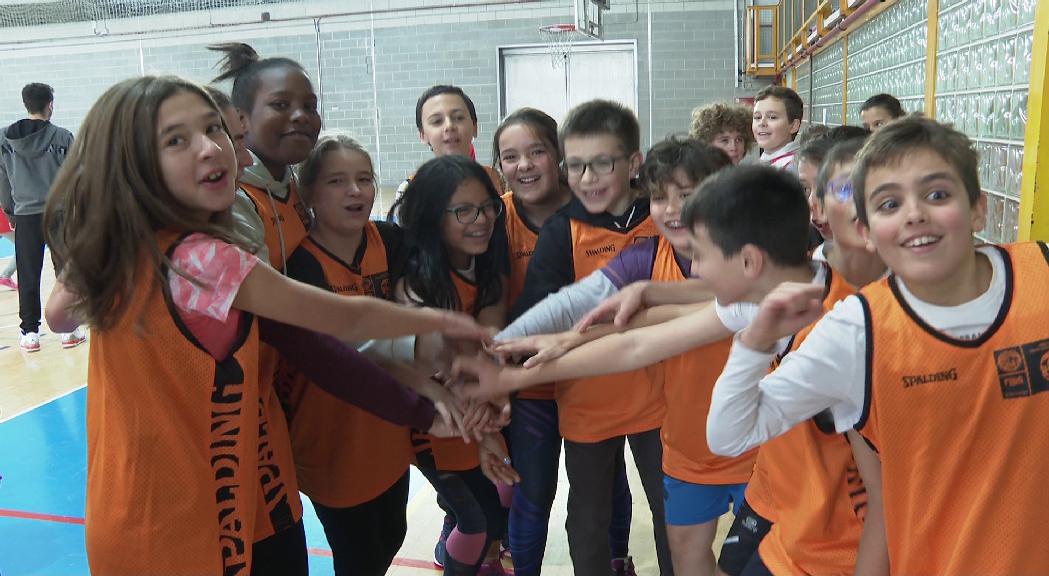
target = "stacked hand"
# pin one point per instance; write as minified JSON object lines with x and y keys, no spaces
{"x":463,"y":327}
{"x":495,"y":461}
{"x":481,"y":377}
{"x":451,"y":410}
{"x":790,"y":307}
{"x":617,"y":309}
{"x":539,"y":348}
{"x":484,"y":418}
{"x":436,"y":351}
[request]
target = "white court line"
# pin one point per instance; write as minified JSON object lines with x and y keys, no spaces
{"x":44,"y":403}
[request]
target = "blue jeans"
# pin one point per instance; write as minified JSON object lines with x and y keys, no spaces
{"x":535,"y":445}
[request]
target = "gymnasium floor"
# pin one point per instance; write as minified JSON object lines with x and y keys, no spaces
{"x":43,"y":466}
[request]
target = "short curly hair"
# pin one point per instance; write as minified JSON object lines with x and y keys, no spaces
{"x":712,"y":119}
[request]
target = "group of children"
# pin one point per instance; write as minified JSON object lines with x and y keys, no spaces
{"x":257,"y":334}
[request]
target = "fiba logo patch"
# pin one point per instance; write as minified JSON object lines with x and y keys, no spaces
{"x":378,"y":285}
{"x":1009,"y":361}
{"x":1023,"y":370}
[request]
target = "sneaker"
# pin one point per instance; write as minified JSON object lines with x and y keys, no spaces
{"x":74,"y":338}
{"x":440,"y":551}
{"x":623,"y":566}
{"x":29,"y":342}
{"x":8,"y":283}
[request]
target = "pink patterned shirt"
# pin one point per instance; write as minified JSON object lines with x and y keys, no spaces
{"x":207,"y":309}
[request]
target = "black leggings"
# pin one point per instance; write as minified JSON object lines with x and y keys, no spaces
{"x":365,"y":538}
{"x":756,"y":567}
{"x":283,"y":554}
{"x":474,"y":502}
{"x":741,"y":544}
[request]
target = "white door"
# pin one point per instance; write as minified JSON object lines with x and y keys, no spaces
{"x":600,"y":70}
{"x":530,"y":80}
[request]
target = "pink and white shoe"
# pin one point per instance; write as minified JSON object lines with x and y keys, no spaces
{"x":9,"y":284}
{"x":29,"y":342}
{"x":74,"y":338}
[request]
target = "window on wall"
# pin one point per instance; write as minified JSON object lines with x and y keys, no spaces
{"x":602,"y":70}
{"x":784,"y":32}
{"x":788,"y":12}
{"x":797,"y":8}
{"x":810,"y":7}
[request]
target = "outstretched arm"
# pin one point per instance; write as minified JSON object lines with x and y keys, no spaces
{"x":621,"y":308}
{"x":268,"y":294}
{"x":559,"y":311}
{"x":326,"y":361}
{"x":547,"y":347}
{"x":614,"y":353}
{"x":750,"y":406}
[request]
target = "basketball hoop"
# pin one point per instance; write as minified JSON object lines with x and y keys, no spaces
{"x":559,"y":39}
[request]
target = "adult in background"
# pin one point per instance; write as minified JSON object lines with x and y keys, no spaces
{"x":31,"y":151}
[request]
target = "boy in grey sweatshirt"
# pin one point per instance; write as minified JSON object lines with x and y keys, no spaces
{"x":31,"y":152}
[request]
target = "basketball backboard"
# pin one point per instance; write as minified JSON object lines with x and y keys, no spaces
{"x":588,"y":17}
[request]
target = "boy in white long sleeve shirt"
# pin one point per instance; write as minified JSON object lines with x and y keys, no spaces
{"x":939,"y":367}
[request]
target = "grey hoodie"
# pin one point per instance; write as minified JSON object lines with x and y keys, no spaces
{"x":31,"y":151}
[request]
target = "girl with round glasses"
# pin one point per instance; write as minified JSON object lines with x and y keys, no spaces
{"x":450,"y":214}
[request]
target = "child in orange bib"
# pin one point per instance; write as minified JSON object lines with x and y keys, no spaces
{"x":527,"y":154}
{"x":352,"y":464}
{"x":934,"y":366}
{"x":450,"y":213}
{"x":698,"y":486}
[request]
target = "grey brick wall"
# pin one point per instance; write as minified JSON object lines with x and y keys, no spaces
{"x":78,"y":79}
{"x":692,"y":55}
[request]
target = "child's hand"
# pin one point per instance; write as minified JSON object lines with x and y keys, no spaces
{"x":442,"y":428}
{"x":462,"y":326}
{"x":618,"y":309}
{"x":448,"y":406}
{"x":542,"y":347}
{"x":480,"y":419}
{"x":790,"y":307}
{"x":434,"y":352}
{"x":489,"y":377}
{"x":495,"y":462}
{"x":478,"y":416}
{"x":502,"y":406}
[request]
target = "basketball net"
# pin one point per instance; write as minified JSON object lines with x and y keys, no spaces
{"x":559,"y":38}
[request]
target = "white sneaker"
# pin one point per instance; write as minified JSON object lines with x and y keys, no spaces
{"x":74,"y":338}
{"x":29,"y":342}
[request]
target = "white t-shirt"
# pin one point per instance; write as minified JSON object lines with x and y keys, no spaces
{"x":820,"y":253}
{"x":739,"y":315}
{"x":784,"y":158}
{"x":750,"y":407}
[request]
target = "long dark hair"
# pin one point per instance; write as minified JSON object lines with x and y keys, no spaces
{"x":421,"y":211}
